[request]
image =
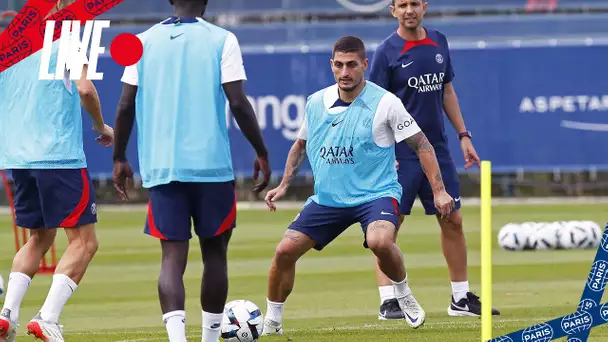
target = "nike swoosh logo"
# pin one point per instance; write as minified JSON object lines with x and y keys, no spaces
{"x":414,"y":320}
{"x":173,"y":37}
{"x":456,"y":199}
{"x":463,"y":308}
{"x":334,"y":124}
{"x":215,"y":326}
{"x":406,"y":65}
{"x":385,"y":213}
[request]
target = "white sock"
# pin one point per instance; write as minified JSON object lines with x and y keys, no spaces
{"x":459,"y":290}
{"x":386,"y":292}
{"x":402,"y":289}
{"x":274,"y":311}
{"x":212,"y":324}
{"x":175,"y":322}
{"x":61,"y":290}
{"x":18,"y":284}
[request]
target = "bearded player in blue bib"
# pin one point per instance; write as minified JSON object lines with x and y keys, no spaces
{"x":349,"y":136}
{"x":414,"y":64}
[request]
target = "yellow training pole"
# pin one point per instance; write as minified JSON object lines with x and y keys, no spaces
{"x":486,"y":251}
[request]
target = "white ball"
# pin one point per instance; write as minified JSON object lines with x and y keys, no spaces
{"x":595,"y":234}
{"x":575,"y":235}
{"x":242,"y":322}
{"x":1,"y":287}
{"x":548,"y":236}
{"x":509,"y":237}
{"x":528,"y":234}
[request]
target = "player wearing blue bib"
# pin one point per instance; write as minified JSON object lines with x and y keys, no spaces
{"x":177,"y":93}
{"x":414,"y":63}
{"x":349,"y":134}
{"x":41,"y":145}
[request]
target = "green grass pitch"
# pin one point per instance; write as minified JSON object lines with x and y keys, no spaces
{"x":335,"y":296}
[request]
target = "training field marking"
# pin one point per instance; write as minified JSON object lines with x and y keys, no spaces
{"x":291,"y":205}
{"x":460,"y":323}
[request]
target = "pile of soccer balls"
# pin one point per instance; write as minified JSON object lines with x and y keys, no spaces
{"x":550,"y":235}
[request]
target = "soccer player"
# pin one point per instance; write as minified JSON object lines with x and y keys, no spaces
{"x":177,"y":94}
{"x":348,"y":134}
{"x":414,"y":63}
{"x":41,"y":144}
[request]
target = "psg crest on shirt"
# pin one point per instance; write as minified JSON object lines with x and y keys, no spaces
{"x":365,"y":6}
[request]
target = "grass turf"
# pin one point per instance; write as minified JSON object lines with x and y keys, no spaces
{"x":335,"y":296}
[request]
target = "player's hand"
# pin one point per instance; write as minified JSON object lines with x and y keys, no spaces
{"x":261,"y":164}
{"x":106,"y":135}
{"x":470,"y":155}
{"x":122,"y":176}
{"x":396,"y":164}
{"x":274,"y":195}
{"x":444,"y":203}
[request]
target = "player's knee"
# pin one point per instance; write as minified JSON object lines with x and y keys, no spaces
{"x":453,"y":222}
{"x":379,"y":240}
{"x":86,"y":244}
{"x":43,"y":239}
{"x":285,"y":254}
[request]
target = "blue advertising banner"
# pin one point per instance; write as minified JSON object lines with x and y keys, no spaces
{"x":536,"y":108}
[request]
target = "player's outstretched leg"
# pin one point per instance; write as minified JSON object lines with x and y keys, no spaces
{"x":380,"y":238}
{"x":171,"y":291}
{"x":453,"y":243}
{"x":82,"y":246}
{"x":389,"y":306}
{"x":214,"y":286}
{"x":25,"y":265}
{"x":282,"y":277}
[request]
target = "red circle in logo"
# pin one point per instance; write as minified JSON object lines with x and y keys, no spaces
{"x":126,"y":49}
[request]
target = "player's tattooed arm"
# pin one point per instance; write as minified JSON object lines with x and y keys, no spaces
{"x":428,"y":160}
{"x":296,"y":156}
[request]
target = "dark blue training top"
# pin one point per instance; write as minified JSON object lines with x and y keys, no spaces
{"x":416,"y":71}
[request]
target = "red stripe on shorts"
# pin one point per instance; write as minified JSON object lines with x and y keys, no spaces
{"x":229,"y":220}
{"x":396,"y":205}
{"x":72,"y":220}
{"x":153,"y":229}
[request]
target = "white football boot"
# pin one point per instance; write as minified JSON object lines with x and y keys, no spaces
{"x":44,"y":330}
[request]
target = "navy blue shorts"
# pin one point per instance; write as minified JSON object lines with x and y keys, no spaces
{"x":54,"y":198}
{"x":324,"y":224}
{"x":414,"y":183}
{"x":211,"y":207}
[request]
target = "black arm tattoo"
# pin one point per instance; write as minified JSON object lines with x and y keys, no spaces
{"x":419,"y":143}
{"x":296,"y":156}
{"x":428,"y":160}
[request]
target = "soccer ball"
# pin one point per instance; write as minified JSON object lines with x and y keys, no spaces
{"x":509,"y":237}
{"x":1,"y":287}
{"x":548,"y":236}
{"x":242,"y":322}
{"x":528,"y":233}
{"x":574,"y":235}
{"x":595,"y":234}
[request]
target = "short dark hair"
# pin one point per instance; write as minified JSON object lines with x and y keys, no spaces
{"x":349,"y":44}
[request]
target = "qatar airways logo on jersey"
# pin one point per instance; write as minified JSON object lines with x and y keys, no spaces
{"x":126,"y":49}
{"x":337,"y":155}
{"x":427,"y":82}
